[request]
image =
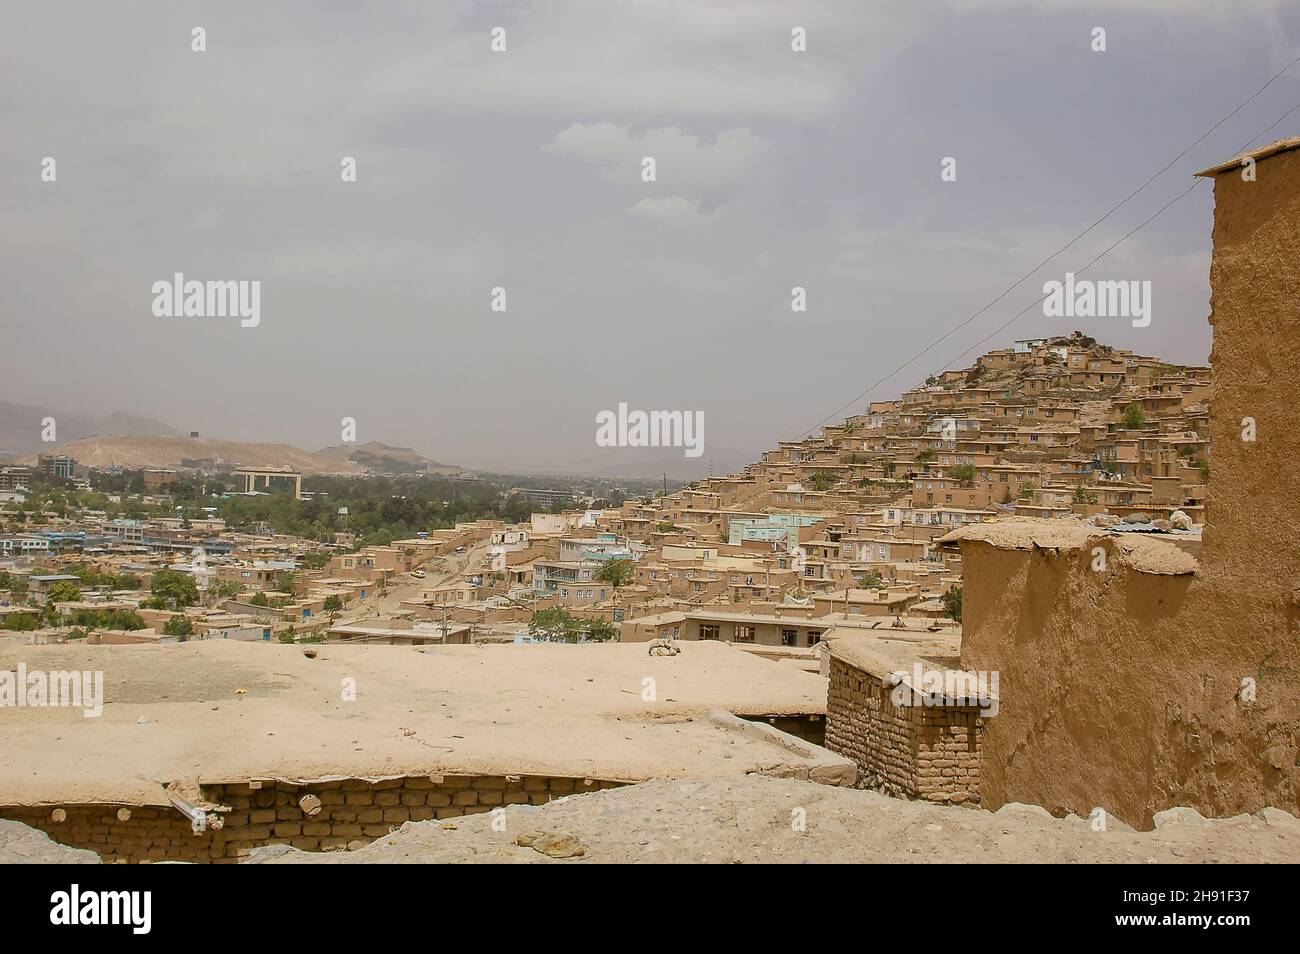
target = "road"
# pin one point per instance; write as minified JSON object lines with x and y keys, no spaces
{"x":403,"y":586}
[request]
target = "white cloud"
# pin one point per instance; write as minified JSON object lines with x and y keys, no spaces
{"x":683,"y":163}
{"x":672,"y":209}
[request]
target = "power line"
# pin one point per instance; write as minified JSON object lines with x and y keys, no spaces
{"x":1080,"y":271}
{"x":1010,"y":288}
{"x":1122,"y":239}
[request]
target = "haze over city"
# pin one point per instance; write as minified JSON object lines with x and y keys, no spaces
{"x":662,"y":432}
{"x":521,"y":171}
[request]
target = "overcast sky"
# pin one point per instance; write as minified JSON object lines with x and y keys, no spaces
{"x":522,"y":170}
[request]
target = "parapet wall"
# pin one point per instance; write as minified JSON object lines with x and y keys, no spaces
{"x":916,"y":751}
{"x":1127,"y":689}
{"x":351,"y":812}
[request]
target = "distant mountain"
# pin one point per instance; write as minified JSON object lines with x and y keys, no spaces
{"x":21,"y":427}
{"x":386,"y":459}
{"x":135,"y":453}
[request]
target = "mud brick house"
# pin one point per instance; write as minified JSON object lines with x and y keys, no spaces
{"x":875,"y":716}
{"x":1132,"y":686}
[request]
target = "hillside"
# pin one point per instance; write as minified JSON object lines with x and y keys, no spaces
{"x":386,"y":459}
{"x":143,"y":452}
{"x":20,"y":426}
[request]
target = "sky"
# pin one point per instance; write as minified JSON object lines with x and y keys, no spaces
{"x":522,"y":169}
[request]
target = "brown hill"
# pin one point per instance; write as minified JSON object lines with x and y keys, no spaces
{"x":387,"y":459}
{"x":142,"y":452}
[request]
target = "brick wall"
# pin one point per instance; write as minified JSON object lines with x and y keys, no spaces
{"x":915,"y":751}
{"x":351,"y":812}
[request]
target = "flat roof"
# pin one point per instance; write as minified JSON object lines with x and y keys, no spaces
{"x":885,"y":651}
{"x":222,"y":710}
{"x":1143,"y":552}
{"x":1263,"y":152}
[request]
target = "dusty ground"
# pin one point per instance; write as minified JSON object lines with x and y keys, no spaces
{"x":749,"y":819}
{"x":21,"y":845}
{"x":217,"y":710}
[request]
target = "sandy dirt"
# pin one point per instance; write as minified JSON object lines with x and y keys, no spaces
{"x":21,"y":845}
{"x":753,"y":819}
{"x":138,"y":452}
{"x":217,"y":710}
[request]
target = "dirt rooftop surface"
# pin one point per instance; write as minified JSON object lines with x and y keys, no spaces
{"x":229,"y":711}
{"x":883,"y":652}
{"x":1148,"y":554}
{"x":754,"y":819}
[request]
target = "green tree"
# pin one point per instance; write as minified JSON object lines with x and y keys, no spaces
{"x":332,"y":604}
{"x":64,"y":591}
{"x":226,"y":589}
{"x":558,"y":625}
{"x":108,"y":619}
{"x":952,"y":603}
{"x":173,"y":589}
{"x":22,"y":622}
{"x":616,"y":572}
{"x":178,"y":625}
{"x":870,"y":579}
{"x":16,"y":585}
{"x":1133,"y":419}
{"x":965,"y":473}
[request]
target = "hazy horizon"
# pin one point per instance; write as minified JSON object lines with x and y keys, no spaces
{"x":522,"y":169}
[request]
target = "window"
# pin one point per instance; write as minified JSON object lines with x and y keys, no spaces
{"x":744,"y":634}
{"x":708,"y":631}
{"x":789,"y":637}
{"x":814,"y":638}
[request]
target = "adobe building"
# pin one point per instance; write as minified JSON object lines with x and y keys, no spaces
{"x":1147,"y":678}
{"x":332,"y":746}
